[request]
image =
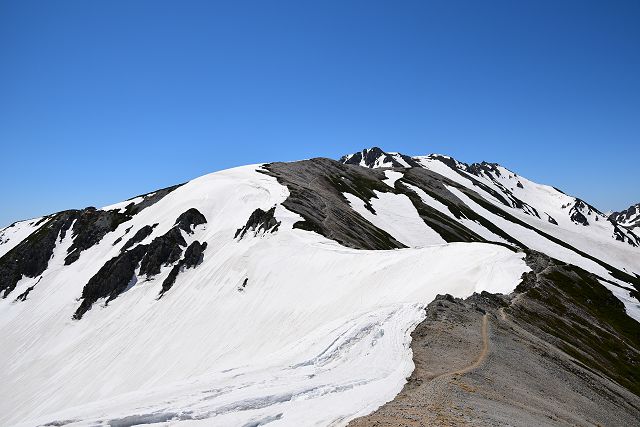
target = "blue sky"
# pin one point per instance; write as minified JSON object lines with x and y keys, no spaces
{"x":101,"y":101}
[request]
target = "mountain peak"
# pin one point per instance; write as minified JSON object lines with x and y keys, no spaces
{"x":375,"y":157}
{"x":629,"y":217}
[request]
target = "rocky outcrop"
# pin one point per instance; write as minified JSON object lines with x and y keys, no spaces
{"x":577,"y":216}
{"x":192,"y":257}
{"x":375,"y":157}
{"x":121,"y":272}
{"x":111,"y":280}
{"x":190,"y":219}
{"x":90,"y":227}
{"x":316,"y":190}
{"x":30,"y":257}
{"x":629,"y":217}
{"x":259,"y":222}
{"x":92,"y":224}
{"x":163,"y":250}
{"x":140,"y":235}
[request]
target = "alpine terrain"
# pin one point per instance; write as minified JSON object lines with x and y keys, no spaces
{"x":378,"y":290}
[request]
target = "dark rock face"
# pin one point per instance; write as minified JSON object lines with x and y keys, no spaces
{"x":490,"y":171}
{"x":375,"y":154}
{"x":628,"y":217}
{"x":140,"y":235}
{"x":163,"y":250}
{"x":316,"y":188}
{"x":485,"y":168}
{"x":193,"y":256}
{"x":90,"y":227}
{"x":435,"y":186}
{"x":551,"y":220}
{"x":120,"y":272}
{"x":370,"y":156}
{"x":111,"y":280}
{"x":470,"y":172}
{"x":449,"y":161}
{"x":189,"y":219}
{"x":578,"y":218}
{"x":148,"y":199}
{"x":31,"y":256}
{"x":119,"y":239}
{"x":259,"y":221}
{"x":579,"y":209}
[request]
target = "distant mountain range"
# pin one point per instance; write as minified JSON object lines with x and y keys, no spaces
{"x":306,"y":293}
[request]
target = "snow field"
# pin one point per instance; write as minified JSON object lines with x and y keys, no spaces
{"x":320,"y":334}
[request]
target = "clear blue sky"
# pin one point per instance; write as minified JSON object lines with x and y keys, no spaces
{"x":103,"y":100}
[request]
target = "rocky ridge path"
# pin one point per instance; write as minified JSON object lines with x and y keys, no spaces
{"x":521,"y":359}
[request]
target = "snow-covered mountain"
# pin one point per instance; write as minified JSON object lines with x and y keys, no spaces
{"x":498,"y":184}
{"x":280,"y":293}
{"x":629,"y":218}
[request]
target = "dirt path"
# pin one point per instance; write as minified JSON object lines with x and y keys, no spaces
{"x":485,"y":348}
{"x":481,"y":357}
{"x":442,"y":356}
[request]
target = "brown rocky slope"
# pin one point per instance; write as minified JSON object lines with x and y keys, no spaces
{"x":560,"y":350}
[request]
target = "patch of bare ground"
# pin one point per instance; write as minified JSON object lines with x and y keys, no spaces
{"x":494,"y":360}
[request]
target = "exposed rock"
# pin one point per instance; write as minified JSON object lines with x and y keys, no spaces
{"x":629,"y":217}
{"x":259,"y":222}
{"x":140,"y":235}
{"x":315,"y":193}
{"x":577,"y":217}
{"x":193,"y":256}
{"x":93,"y":224}
{"x":148,"y":199}
{"x":188,"y":220}
{"x":90,"y":227}
{"x":111,"y":280}
{"x":485,"y":168}
{"x":119,"y":239}
{"x":375,"y":157}
{"x":119,"y":272}
{"x":580,"y":210}
{"x":162,"y":250}
{"x":30,"y":257}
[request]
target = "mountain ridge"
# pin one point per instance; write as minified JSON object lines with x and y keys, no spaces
{"x":307,"y":276}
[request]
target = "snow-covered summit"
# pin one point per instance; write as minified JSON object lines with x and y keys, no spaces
{"x":505,"y":187}
{"x":629,"y":217}
{"x":376,"y":158}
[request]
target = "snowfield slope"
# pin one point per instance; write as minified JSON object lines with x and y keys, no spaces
{"x":282,"y":293}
